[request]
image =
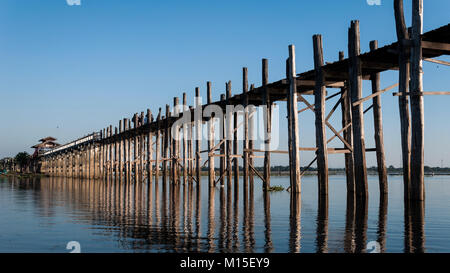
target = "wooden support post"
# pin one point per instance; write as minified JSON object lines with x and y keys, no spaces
{"x":267,"y":123}
{"x":417,"y":113}
{"x":319,"y":110}
{"x":121,"y":149}
{"x":110,"y":165}
{"x":235,"y":152}
{"x":198,"y":136}
{"x":348,"y":135}
{"x":141,"y":148}
{"x":149,"y":149}
{"x":229,"y":133}
{"x":211,"y":173}
{"x":158,"y":144}
{"x":116,"y":154}
{"x":294,"y":156}
{"x":403,"y":101}
{"x":102,"y":148}
{"x":245,"y":142}
{"x":251,"y":124}
{"x":125,"y":150}
{"x":175,"y":142}
{"x":222,"y":146}
{"x":166,"y":144}
{"x":378,"y":128}
{"x":135,"y":147}
{"x":190,"y":147}
{"x":355,"y":81}
{"x":185,"y":142}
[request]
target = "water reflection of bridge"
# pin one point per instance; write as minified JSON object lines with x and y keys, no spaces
{"x":163,"y":217}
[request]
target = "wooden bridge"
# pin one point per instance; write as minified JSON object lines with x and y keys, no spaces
{"x":146,"y":146}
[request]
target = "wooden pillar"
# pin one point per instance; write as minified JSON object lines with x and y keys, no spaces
{"x":403,"y":101}
{"x":141,"y":148}
{"x":235,"y":153}
{"x":198,"y":136}
{"x":116,"y":153}
{"x":245,"y":152}
{"x":251,"y":124}
{"x":190,"y":147}
{"x":166,"y":144}
{"x":229,"y":133}
{"x":355,"y":81}
{"x":319,"y":110}
{"x":267,"y":123}
{"x":120,"y":150}
{"x":294,"y":156}
{"x":149,"y":148}
{"x":158,"y":155}
{"x":378,"y":128}
{"x":135,"y":147}
{"x":102,"y":153}
{"x":211,"y":173}
{"x":417,"y":113}
{"x":110,"y":141}
{"x":185,"y":142}
{"x":175,"y":142}
{"x":222,"y":146}
{"x":348,"y":135}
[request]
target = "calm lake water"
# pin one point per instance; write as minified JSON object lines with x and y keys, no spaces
{"x":44,"y":214}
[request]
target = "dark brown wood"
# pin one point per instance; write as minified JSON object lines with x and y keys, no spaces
{"x":378,"y":128}
{"x":355,"y":82}
{"x":149,"y":148}
{"x":417,"y":114}
{"x":246,"y":140}
{"x":267,"y":123}
{"x":229,"y":133}
{"x":185,"y":142}
{"x":348,"y":136}
{"x":120,"y":150}
{"x":198,"y":136}
{"x":403,"y":101}
{"x":222,"y":146}
{"x":319,"y":110}
{"x":211,"y":173}
{"x":166,"y":144}
{"x":294,"y":156}
{"x":158,"y":145}
{"x":175,"y":143}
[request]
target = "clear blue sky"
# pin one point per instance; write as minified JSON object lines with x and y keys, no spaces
{"x":66,"y":71}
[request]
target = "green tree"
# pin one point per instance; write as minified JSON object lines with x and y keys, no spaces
{"x":22,"y":159}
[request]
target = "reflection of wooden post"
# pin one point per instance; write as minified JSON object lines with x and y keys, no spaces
{"x":245,"y":153}
{"x":211,"y":174}
{"x":294,"y":156}
{"x":378,"y":127}
{"x":417,"y":113}
{"x":319,"y":109}
{"x":355,"y":80}
{"x":346,"y":120}
{"x":403,"y":102}
{"x":149,"y":148}
{"x":267,"y":123}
